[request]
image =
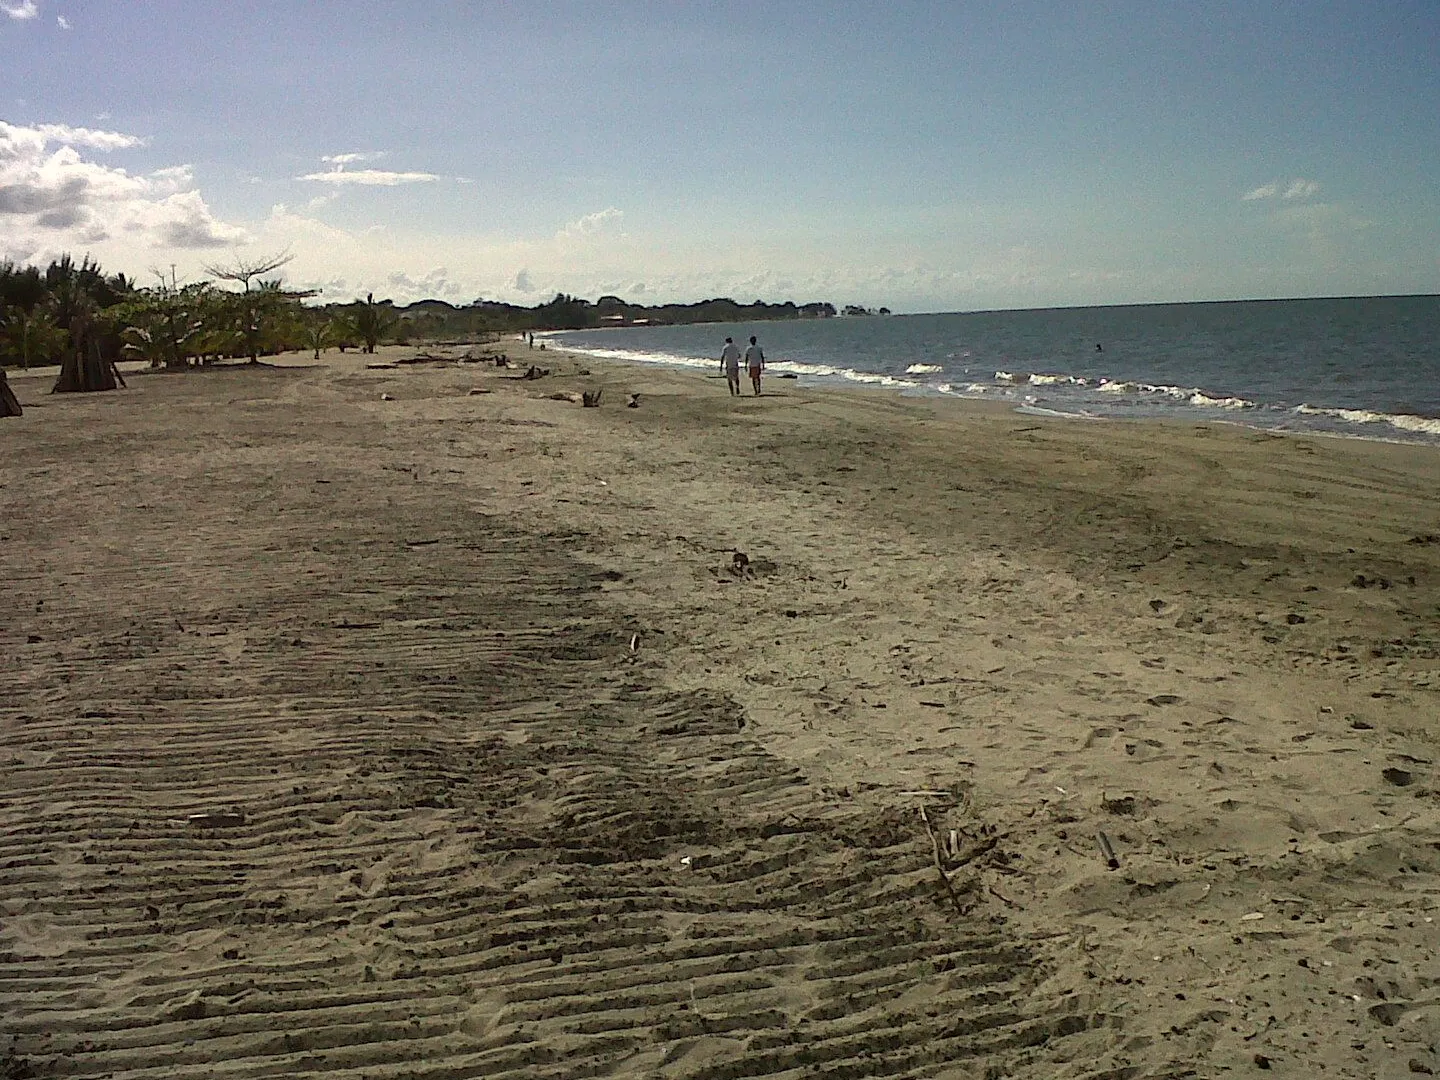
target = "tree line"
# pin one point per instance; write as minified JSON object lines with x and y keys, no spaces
{"x":242,"y":309}
{"x":238,"y":312}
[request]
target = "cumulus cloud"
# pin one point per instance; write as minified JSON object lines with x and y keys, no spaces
{"x":52,"y":198}
{"x":90,"y":138}
{"x":1297,"y":189}
{"x":62,"y":22}
{"x":591,"y":224}
{"x":25,"y":9}
{"x":184,"y":221}
{"x":433,"y":284}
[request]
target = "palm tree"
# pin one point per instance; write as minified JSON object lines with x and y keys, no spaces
{"x":318,"y":332}
{"x":372,"y":321}
{"x":32,"y":336}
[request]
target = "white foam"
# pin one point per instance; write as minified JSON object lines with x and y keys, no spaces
{"x":1404,"y":421}
{"x":923,"y":369}
{"x":633,"y":356}
{"x":794,"y":367}
{"x":1206,"y":401}
{"x":1037,"y":410}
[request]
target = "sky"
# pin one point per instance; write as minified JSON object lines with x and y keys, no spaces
{"x":923,"y":156}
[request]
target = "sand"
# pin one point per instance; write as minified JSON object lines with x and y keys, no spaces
{"x":445,"y":735}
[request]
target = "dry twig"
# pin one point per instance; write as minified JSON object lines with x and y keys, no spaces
{"x":940,"y":866}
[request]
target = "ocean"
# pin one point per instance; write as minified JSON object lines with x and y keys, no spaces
{"x":1365,"y":367}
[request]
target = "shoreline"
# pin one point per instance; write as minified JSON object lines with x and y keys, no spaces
{"x":1137,"y":382}
{"x":526,"y":619}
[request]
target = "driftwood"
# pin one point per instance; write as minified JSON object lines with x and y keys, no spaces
{"x":9,"y":403}
{"x":566,"y":395}
{"x":591,"y":399}
{"x":940,"y":865}
{"x":1108,"y":851}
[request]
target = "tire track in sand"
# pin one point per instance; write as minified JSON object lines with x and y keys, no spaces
{"x":445,"y":829}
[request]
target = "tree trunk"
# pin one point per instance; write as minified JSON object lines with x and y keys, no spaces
{"x":9,"y":403}
{"x":84,"y":369}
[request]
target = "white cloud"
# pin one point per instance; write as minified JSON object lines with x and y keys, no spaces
{"x":341,"y":160}
{"x":25,"y":9}
{"x":90,"y":138}
{"x":52,"y":199}
{"x":1296,"y":189}
{"x":370,"y":177}
{"x":591,"y":224}
{"x":522,"y":282}
{"x":62,"y":22}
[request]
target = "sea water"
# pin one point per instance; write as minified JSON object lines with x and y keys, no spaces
{"x":1366,"y":367}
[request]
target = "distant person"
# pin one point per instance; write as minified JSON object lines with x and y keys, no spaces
{"x":1098,"y":348}
{"x":730,"y":364}
{"x":755,"y":361}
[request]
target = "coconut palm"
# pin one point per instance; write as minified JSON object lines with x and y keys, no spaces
{"x":32,"y":336}
{"x":372,"y":321}
{"x":318,"y":332}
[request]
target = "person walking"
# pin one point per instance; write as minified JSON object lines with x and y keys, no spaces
{"x":755,"y":361}
{"x":730,"y":364}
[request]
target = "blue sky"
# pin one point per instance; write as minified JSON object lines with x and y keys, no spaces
{"x":924,"y":156}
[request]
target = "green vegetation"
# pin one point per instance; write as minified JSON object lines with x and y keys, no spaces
{"x":52,"y":316}
{"x":371,"y":321}
{"x":435,"y":319}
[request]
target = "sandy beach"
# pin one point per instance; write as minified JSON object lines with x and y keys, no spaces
{"x":407,"y":721}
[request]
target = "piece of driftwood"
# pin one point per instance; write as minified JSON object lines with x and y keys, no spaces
{"x":591,"y":399}
{"x":1000,"y":896}
{"x":9,"y":403}
{"x":1108,"y":851}
{"x":960,"y":908}
{"x":478,"y":390}
{"x":564,"y":395}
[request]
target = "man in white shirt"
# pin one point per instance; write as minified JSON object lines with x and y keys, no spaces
{"x":755,"y":361}
{"x":730,"y":364}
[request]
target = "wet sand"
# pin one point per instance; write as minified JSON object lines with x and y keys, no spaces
{"x":448,"y":735}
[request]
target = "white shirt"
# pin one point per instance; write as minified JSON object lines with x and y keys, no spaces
{"x":731,"y":356}
{"x":754,"y":357}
